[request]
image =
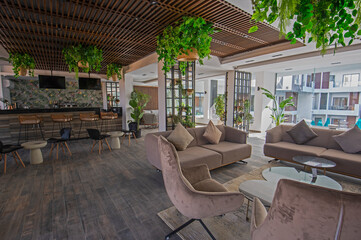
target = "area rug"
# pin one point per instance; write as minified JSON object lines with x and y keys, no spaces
{"x":233,"y":225}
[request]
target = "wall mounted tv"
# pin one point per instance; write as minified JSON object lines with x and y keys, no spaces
{"x":56,"y":82}
{"x":90,"y":83}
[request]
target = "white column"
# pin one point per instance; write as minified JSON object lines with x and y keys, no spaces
{"x":161,"y":98}
{"x":125,"y":89}
{"x":230,"y":98}
{"x":262,"y":115}
{"x":206,"y":102}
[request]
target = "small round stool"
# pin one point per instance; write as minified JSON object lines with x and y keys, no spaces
{"x":36,"y":157}
{"x":114,"y":138}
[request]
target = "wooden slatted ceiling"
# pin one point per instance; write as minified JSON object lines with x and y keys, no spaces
{"x":124,"y":30}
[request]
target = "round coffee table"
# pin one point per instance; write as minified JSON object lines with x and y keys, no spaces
{"x":314,"y":162}
{"x":114,"y":138}
{"x":36,"y":157}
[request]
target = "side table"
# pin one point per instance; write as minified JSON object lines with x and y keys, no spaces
{"x":114,"y":138}
{"x":36,"y":157}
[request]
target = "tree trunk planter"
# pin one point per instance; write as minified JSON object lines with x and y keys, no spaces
{"x":81,"y":65}
{"x":188,"y":56}
{"x":114,"y":77}
{"x":23,"y":71}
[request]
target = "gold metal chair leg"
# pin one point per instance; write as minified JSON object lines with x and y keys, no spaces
{"x":106,"y":141}
{"x":15,"y":159}
{"x":21,"y":161}
{"x":67,"y":147}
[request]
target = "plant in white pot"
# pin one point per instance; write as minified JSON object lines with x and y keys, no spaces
{"x":138,"y":101}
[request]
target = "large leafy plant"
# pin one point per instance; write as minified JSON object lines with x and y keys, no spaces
{"x":19,"y":60}
{"x":138,"y":101}
{"x":190,"y":33}
{"x":220,"y":105}
{"x":89,"y":56}
{"x":325,"y":22}
{"x":278,"y":108}
{"x":114,"y":68}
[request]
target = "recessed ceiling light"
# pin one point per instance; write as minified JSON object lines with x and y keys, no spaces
{"x":277,"y":55}
{"x":136,"y":19}
{"x":287,"y":69}
{"x":248,"y":61}
{"x":334,"y":63}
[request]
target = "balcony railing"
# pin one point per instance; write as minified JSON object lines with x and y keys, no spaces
{"x":345,"y":108}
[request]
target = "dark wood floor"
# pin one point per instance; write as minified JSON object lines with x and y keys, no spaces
{"x":116,"y":195}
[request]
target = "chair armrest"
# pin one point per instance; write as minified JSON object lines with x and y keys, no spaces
{"x":274,"y":134}
{"x":259,"y":214}
{"x":235,"y":135}
{"x":151,"y":149}
{"x":196,"y":174}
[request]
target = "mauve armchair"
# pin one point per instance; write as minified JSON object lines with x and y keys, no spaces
{"x":304,"y":211}
{"x":192,"y":190}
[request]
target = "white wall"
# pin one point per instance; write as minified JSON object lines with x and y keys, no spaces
{"x":161,"y":98}
{"x":304,"y":106}
{"x":230,"y":98}
{"x":125,"y":89}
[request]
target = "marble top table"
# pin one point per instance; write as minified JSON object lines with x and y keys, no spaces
{"x":36,"y":157}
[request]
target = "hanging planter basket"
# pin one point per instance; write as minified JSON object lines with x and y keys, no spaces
{"x":189,"y":91}
{"x":188,"y":56}
{"x":114,"y":77}
{"x":81,"y":65}
{"x":22,"y":71}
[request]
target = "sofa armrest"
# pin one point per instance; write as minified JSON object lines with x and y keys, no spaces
{"x":151,"y":149}
{"x":196,"y":174}
{"x":259,"y":214}
{"x":235,"y":135}
{"x":274,"y":134}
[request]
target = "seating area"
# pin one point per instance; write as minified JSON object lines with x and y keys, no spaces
{"x":180,"y":119}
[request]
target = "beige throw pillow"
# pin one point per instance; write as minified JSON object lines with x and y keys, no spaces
{"x":350,"y":141}
{"x":212,"y":133}
{"x":180,"y":137}
{"x":301,"y":133}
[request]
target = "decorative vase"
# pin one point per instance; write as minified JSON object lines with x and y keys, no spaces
{"x":81,"y":65}
{"x":189,"y":55}
{"x":23,"y":71}
{"x":114,"y":77}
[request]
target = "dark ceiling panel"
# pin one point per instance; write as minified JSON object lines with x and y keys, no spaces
{"x":124,"y":30}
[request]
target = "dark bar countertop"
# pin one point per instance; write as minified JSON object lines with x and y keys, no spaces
{"x":49,"y":110}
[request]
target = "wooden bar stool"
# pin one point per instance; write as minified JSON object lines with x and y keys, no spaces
{"x":61,"y":120}
{"x":88,"y":118}
{"x":28,"y":121}
{"x":5,"y":149}
{"x":105,"y":117}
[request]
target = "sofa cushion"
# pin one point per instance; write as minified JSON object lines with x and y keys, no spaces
{"x":212,"y":133}
{"x":301,"y":133}
{"x":286,"y":150}
{"x":193,"y":156}
{"x":350,"y":141}
{"x":180,"y":137}
{"x":345,"y":162}
{"x":201,"y":140}
{"x":231,"y":152}
{"x":209,"y":185}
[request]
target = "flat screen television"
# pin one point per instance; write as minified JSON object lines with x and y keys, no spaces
{"x":90,"y":83}
{"x":56,"y":82}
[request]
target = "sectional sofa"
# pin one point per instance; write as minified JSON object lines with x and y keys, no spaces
{"x":281,"y":146}
{"x":232,"y":147}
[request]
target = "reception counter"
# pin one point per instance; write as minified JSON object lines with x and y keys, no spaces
{"x":9,"y":123}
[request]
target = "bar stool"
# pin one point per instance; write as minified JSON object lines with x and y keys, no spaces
{"x":88,"y":118}
{"x":105,"y":117}
{"x":30,"y":121}
{"x":61,"y":120}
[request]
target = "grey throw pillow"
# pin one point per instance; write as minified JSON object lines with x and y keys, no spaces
{"x":180,"y":137}
{"x":212,"y":133}
{"x":301,"y":133}
{"x":350,"y":141}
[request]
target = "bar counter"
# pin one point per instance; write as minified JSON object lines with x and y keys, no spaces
{"x":9,"y":123}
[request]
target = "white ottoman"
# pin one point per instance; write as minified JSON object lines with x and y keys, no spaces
{"x":36,"y":157}
{"x":114,"y":139}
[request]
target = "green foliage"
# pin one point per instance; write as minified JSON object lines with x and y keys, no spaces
{"x":220,"y":105}
{"x":278,"y":108}
{"x":91,"y":55}
{"x":138,"y":101}
{"x":186,"y":120}
{"x":114,"y":68}
{"x":22,"y":60}
{"x":326,"y":22}
{"x":190,"y":33}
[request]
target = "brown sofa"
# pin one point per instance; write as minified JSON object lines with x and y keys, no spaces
{"x":232,"y":147}
{"x":280,"y":145}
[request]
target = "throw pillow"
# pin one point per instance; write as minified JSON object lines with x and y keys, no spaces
{"x":350,"y":141}
{"x":301,"y":133}
{"x":180,"y":137}
{"x":212,"y":133}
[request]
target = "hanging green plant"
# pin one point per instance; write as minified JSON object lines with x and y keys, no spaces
{"x":114,"y":70}
{"x":220,"y":106}
{"x":326,"y":22}
{"x":87,"y":58}
{"x":22,"y":62}
{"x":189,"y":36}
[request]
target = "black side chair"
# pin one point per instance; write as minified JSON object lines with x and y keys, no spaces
{"x":98,"y":138}
{"x":5,"y":149}
{"x":65,"y":134}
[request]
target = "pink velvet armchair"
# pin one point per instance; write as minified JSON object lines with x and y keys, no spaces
{"x":192,"y":191}
{"x":304,"y":211}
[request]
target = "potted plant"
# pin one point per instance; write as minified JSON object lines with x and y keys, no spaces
{"x":220,"y":105}
{"x":87,"y":58}
{"x":188,"y":40}
{"x":22,"y":62}
{"x":278,"y":108}
{"x":325,"y":22}
{"x":138,"y":101}
{"x":114,"y":70}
